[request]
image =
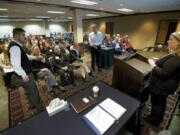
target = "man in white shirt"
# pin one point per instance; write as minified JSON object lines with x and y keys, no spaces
{"x":95,"y":41}
{"x":22,"y":68}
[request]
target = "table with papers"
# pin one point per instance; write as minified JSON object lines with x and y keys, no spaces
{"x":71,"y":123}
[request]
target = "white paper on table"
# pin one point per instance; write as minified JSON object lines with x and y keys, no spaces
{"x":100,"y":119}
{"x":8,"y":70}
{"x":113,"y":108}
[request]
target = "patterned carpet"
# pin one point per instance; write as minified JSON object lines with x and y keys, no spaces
{"x":147,"y":128}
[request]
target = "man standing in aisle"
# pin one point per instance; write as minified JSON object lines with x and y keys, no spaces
{"x":95,"y":41}
{"x":22,"y":68}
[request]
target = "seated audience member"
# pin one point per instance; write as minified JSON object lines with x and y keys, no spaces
{"x":1,"y":41}
{"x":28,"y":46}
{"x":34,"y":40}
{"x":5,"y":63}
{"x":127,"y":44}
{"x":65,"y":53}
{"x":50,"y":43}
{"x":62,"y":67}
{"x":76,"y":61}
{"x":46,"y":50}
{"x":117,"y":45}
{"x":107,"y":40}
{"x":164,"y":79}
{"x":40,"y":44}
{"x":40,"y":69}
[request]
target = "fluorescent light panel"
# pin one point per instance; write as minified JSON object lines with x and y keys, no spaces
{"x":3,"y":9}
{"x":42,"y":17}
{"x":70,"y":18}
{"x":36,"y":19}
{"x":4,"y":19}
{"x":58,"y":20}
{"x":125,"y":10}
{"x":92,"y":15}
{"x":4,"y":16}
{"x":55,"y":12}
{"x":84,"y":2}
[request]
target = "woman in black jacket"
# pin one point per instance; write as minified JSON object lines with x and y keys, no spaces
{"x":164,"y":79}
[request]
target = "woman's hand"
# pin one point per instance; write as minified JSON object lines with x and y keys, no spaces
{"x":152,"y":63}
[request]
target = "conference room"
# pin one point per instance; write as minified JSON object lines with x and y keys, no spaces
{"x":89,"y":67}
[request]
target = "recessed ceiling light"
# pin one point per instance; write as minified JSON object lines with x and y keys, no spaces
{"x":92,"y":15}
{"x":3,"y":9}
{"x":121,"y":4}
{"x":55,"y":12}
{"x":42,"y":17}
{"x":36,"y":19}
{"x":4,"y":19}
{"x":125,"y":10}
{"x":84,"y":2}
{"x":70,"y":18}
{"x":56,"y":21}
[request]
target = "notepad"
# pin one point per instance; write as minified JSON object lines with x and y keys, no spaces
{"x":99,"y":120}
{"x":102,"y":117}
{"x":113,"y":108}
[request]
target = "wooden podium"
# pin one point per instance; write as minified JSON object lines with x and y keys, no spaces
{"x":130,"y":73}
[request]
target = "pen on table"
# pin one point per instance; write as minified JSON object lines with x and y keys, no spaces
{"x":91,"y":98}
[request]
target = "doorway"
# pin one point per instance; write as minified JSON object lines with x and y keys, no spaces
{"x":109,"y":28}
{"x":166,"y":27}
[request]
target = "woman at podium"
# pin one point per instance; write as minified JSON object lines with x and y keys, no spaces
{"x":164,"y":79}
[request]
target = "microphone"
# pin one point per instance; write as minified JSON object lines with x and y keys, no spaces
{"x":130,"y":55}
{"x":152,"y":47}
{"x":158,"y":46}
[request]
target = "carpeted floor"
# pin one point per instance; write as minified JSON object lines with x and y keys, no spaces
{"x":148,"y":129}
{"x":4,"y":110}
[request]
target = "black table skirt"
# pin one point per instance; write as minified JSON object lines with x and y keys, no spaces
{"x":106,"y":57}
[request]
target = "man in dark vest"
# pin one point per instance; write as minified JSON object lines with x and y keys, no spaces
{"x":22,"y":68}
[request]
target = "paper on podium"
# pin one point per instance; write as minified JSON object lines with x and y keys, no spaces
{"x":99,"y":120}
{"x":113,"y":108}
{"x":8,"y":70}
{"x":56,"y":105}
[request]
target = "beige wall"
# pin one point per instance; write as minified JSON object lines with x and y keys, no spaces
{"x":178,"y":27}
{"x":142,"y":29}
{"x":35,"y":27}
